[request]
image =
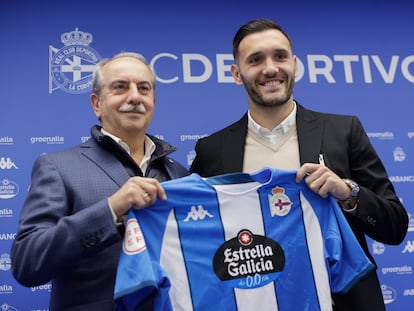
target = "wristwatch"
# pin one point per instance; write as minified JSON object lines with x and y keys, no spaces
{"x":350,"y":204}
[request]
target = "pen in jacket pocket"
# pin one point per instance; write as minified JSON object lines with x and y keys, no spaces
{"x":321,"y":159}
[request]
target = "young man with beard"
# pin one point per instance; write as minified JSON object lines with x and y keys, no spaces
{"x":331,"y":152}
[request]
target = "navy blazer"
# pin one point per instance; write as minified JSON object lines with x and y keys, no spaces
{"x":67,"y":234}
{"x":348,"y":152}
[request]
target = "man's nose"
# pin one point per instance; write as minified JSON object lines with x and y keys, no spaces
{"x":270,"y":67}
{"x":133,"y":93}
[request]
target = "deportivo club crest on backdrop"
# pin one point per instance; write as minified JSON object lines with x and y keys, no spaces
{"x":71,"y":67}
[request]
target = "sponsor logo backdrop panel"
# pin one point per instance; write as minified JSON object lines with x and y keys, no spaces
{"x":356,"y":58}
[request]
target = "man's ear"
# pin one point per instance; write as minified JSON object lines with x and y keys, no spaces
{"x":94,"y":99}
{"x":236,"y":74}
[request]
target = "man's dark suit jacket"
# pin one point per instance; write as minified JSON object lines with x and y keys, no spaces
{"x":67,"y":234}
{"x":348,"y":152}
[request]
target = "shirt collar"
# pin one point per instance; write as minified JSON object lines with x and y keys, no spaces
{"x":149,"y":145}
{"x":280,"y":129}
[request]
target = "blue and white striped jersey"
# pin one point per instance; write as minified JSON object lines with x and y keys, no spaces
{"x":238,"y":242}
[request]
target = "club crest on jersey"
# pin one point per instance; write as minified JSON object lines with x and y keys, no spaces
{"x":71,"y":67}
{"x":134,"y":242}
{"x":248,"y":260}
{"x":279,"y":202}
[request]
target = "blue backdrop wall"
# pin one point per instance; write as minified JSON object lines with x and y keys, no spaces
{"x":355,"y":58}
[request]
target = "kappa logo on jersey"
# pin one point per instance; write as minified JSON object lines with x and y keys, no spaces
{"x":197,"y":213}
{"x":279,"y":202}
{"x":134,"y":242}
{"x":248,"y":260}
{"x":71,"y":67}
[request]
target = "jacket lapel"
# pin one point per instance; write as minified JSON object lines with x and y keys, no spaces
{"x":106,"y":161}
{"x":309,"y":128}
{"x":310,"y":131}
{"x":233,"y":146}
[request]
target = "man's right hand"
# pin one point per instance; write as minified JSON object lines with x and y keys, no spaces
{"x":137,"y":192}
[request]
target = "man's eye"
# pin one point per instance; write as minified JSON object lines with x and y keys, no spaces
{"x":282,"y":55}
{"x":144,"y":89}
{"x":119,"y":87}
{"x":255,"y":60}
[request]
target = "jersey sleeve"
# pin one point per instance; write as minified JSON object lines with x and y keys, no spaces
{"x":138,"y":277}
{"x":347,"y":260}
{"x":141,"y":281}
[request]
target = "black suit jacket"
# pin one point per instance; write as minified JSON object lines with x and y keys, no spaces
{"x":348,"y":152}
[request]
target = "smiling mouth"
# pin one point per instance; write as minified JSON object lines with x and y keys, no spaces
{"x":133,"y":111}
{"x":272,"y":83}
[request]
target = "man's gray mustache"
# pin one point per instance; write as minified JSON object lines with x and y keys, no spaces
{"x":132,"y":108}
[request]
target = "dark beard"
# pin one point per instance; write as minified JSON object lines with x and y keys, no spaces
{"x":260,"y":101}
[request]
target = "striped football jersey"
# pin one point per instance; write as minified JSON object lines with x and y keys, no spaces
{"x":240,"y":242}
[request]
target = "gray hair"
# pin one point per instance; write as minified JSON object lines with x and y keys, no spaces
{"x":98,"y":78}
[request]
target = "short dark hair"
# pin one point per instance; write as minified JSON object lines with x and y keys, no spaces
{"x":256,"y":25}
